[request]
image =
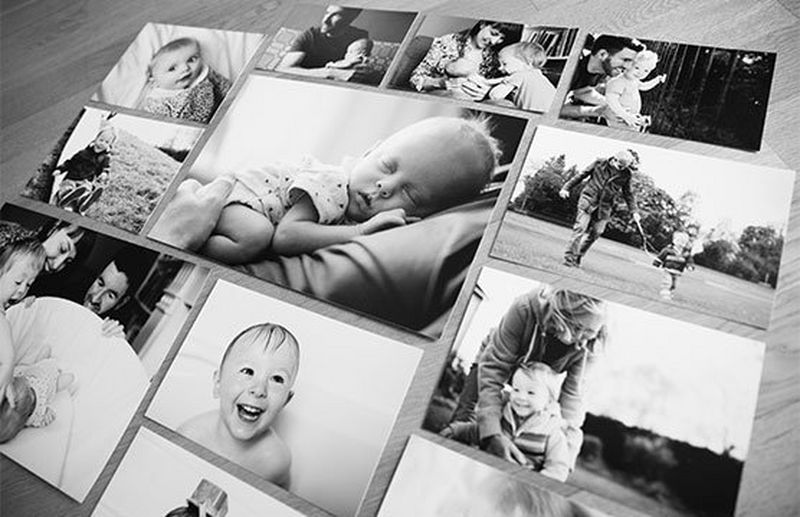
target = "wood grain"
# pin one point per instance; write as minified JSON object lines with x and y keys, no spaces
{"x":54,"y":54}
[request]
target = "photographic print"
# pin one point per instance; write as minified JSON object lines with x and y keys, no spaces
{"x":508,"y":64}
{"x":378,"y":204}
{"x":433,"y":481}
{"x":89,"y":319}
{"x":707,"y":94}
{"x":178,"y":72}
{"x":303,"y":401}
{"x":639,"y":408}
{"x":338,"y":43}
{"x":178,"y":483}
{"x":104,"y":158}
{"x":681,"y":232}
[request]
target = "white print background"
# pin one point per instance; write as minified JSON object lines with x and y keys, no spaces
{"x":679,"y":380}
{"x":348,"y":392}
{"x":156,"y":476}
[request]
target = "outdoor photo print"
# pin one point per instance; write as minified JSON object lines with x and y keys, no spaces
{"x":639,"y":408}
{"x":338,"y":43}
{"x":707,"y":94}
{"x":500,"y":63}
{"x":104,"y":158}
{"x":378,"y":204}
{"x":179,"y":484}
{"x":90,"y":320}
{"x":302,"y":401}
{"x":433,"y":481}
{"x":691,"y":236}
{"x":178,"y":72}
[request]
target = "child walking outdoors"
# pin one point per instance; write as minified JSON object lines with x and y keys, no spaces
{"x":525,"y":86}
{"x":181,"y":85}
{"x":422,"y":169}
{"x":623,"y":101}
{"x":79,"y":181}
{"x":25,"y":391}
{"x":253,"y":384}
{"x":673,"y":260}
{"x":531,"y":420}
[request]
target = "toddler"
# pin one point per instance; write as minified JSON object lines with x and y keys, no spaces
{"x":672,"y":260}
{"x":425,"y":167}
{"x":83,"y":176}
{"x":253,"y":384}
{"x":623,"y":102}
{"x":357,"y":53}
{"x":25,"y":391}
{"x":531,"y":419}
{"x":180,"y":85}
{"x":525,"y":85}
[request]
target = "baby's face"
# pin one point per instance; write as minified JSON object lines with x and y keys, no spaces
{"x":640,"y":70}
{"x":16,"y":280}
{"x":528,"y":394}
{"x":511,"y":64}
{"x":253,"y":385}
{"x":422,"y":168}
{"x":177,"y":69}
{"x":102,"y":142}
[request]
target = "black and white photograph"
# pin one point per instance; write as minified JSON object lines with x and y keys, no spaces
{"x":105,"y":157}
{"x":327,"y":210}
{"x":706,"y":94}
{"x":178,"y":72}
{"x":638,"y":408}
{"x":689,"y":235}
{"x":489,"y":61}
{"x":434,"y":481}
{"x":88,"y":321}
{"x":302,"y":401}
{"x":337,"y":42}
{"x":178,"y":483}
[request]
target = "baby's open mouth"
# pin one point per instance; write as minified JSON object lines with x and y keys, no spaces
{"x":248,"y":413}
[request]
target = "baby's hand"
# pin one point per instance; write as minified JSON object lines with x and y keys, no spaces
{"x":28,"y":301}
{"x":385,"y":220}
{"x":662,"y":78}
{"x":112,"y":328}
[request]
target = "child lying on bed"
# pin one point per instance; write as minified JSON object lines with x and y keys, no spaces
{"x":253,"y":384}
{"x":422,"y":169}
{"x":25,"y":391}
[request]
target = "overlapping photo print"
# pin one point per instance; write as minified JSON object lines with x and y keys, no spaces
{"x":87,"y":338}
{"x":638,"y":408}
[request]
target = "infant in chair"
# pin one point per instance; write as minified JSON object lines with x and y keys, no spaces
{"x":181,"y":85}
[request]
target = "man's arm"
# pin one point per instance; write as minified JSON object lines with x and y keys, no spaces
{"x":575,"y":180}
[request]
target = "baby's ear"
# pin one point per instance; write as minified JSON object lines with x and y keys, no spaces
{"x":289,"y":397}
{"x":215,"y":388}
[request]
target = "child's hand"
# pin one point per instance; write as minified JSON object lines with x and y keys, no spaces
{"x":662,"y":78}
{"x":103,"y":177}
{"x":385,"y":220}
{"x":112,"y":328}
{"x":502,"y":447}
{"x":563,"y":193}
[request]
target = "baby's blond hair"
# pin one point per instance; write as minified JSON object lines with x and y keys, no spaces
{"x":528,"y":52}
{"x":647,"y":57}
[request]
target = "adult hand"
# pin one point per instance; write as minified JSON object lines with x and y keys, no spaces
{"x":563,"y":193}
{"x":191,"y":215}
{"x":476,"y":86}
{"x":637,"y":218}
{"x":112,"y":328}
{"x":502,"y":447}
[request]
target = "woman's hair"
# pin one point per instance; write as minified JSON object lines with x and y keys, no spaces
{"x":512,"y":32}
{"x":15,"y":242}
{"x":570,"y":306}
{"x":12,"y":420}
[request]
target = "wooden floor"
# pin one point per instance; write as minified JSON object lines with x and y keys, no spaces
{"x":55,"y":52}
